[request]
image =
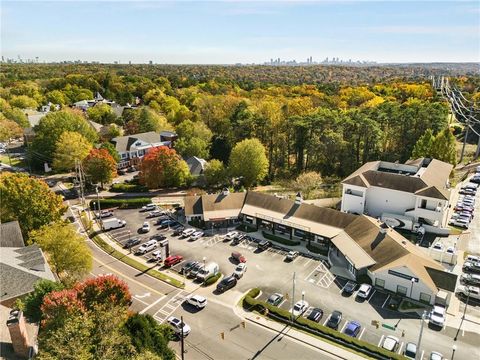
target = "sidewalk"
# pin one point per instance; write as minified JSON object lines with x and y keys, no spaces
{"x":313,"y":341}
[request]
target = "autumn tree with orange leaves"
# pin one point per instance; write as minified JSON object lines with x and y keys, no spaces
{"x":100,"y":166}
{"x":163,"y":167}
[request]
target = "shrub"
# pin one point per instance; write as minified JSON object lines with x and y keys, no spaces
{"x":212,"y":279}
{"x":120,"y":203}
{"x":246,"y":228}
{"x":317,"y":250}
{"x":253,"y":293}
{"x":280,"y":240}
{"x":128,"y":188}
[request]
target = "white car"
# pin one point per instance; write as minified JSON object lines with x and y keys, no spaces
{"x":149,"y":207}
{"x":240,"y":270}
{"x":147,"y":247}
{"x":176,"y":324}
{"x":156,"y":256}
{"x":435,"y":355}
{"x":291,"y":255}
{"x":299,"y":308}
{"x":364,"y":291}
{"x":460,"y":222}
{"x":438,"y":246}
{"x":390,"y":343}
{"x":230,"y":235}
{"x":198,"y":301}
{"x":187,"y":232}
{"x":196,"y":235}
{"x":469,"y":291}
{"x":472,"y":258}
{"x":437,"y":316}
{"x":145,"y":227}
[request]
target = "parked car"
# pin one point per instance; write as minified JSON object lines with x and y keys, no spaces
{"x":291,"y":255}
{"x":161,"y":219}
{"x":237,"y":239}
{"x":155,"y":213}
{"x":364,"y":291}
{"x":334,"y":320}
{"x":299,"y":308}
{"x":240,"y":270}
{"x":158,"y":237}
{"x":275,"y":299}
{"x":472,"y":258}
{"x":437,"y":316}
{"x":230,"y":235}
{"x":226,"y":283}
{"x":470,"y":279}
{"x":188,"y":266}
{"x":238,"y":257}
{"x":352,"y":329}
{"x":187,"y":232}
{"x":156,"y":256}
{"x":390,"y":343}
{"x":315,"y":315}
{"x":179,"y":328}
{"x":469,"y":266}
{"x":460,"y":222}
{"x":435,"y":355}
{"x":145,"y":227}
{"x":207,"y":271}
{"x":475,"y":179}
{"x":264,"y":245}
{"x":198,"y":301}
{"x":148,"y":207}
{"x":121,"y":171}
{"x":410,"y":351}
{"x":178,"y":231}
{"x":113,"y":223}
{"x":349,"y":288}
{"x":147,"y":247}
{"x":196,"y":235}
{"x":172,"y":260}
{"x":104,"y":214}
{"x":471,"y":292}
{"x":194,"y":270}
{"x":166,"y":224}
{"x":131,"y":242}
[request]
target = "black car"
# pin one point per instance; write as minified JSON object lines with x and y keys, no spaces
{"x":349,"y":288}
{"x":131,"y":169}
{"x":121,"y":172}
{"x":188,"y":266}
{"x":227,"y":283}
{"x":178,"y":231}
{"x":158,"y":237}
{"x":334,"y":320}
{"x":165,"y":224}
{"x":131,"y":242}
{"x":315,"y":315}
{"x":264,"y":245}
{"x":162,"y":219}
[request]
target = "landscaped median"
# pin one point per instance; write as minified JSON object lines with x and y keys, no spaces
{"x":251,"y":304}
{"x":128,"y":203}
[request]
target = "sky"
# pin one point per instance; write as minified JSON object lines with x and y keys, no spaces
{"x":236,"y":31}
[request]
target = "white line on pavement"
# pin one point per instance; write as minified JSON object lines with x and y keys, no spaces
{"x":328,"y":318}
{"x":388,"y":297}
{"x":361,"y":334}
{"x":374,"y":291}
{"x":400,"y":348}
{"x":421,"y":356}
{"x":143,"y":302}
{"x":380,"y":342}
{"x":308,"y":261}
{"x":152,"y":304}
{"x":344,"y":325}
{"x":311,"y":273}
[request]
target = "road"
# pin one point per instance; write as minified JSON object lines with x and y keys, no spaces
{"x":254,"y":342}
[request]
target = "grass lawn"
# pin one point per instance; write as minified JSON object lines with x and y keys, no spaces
{"x":15,"y":161}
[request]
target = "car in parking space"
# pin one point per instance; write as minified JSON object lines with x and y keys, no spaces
{"x":238,"y":257}
{"x":158,"y":237}
{"x":291,"y":255}
{"x":166,"y":224}
{"x":349,"y":287}
{"x":104,"y":214}
{"x":299,"y":308}
{"x":264,"y":245}
{"x":315,"y":315}
{"x":240,"y":270}
{"x":470,"y":279}
{"x":460,"y":222}
{"x":178,"y":329}
{"x":275,"y":299}
{"x":145,"y":227}
{"x":178,"y":231}
{"x":469,"y":266}
{"x":471,"y":292}
{"x":472,"y":258}
{"x":435,"y":355}
{"x":226,"y":283}
{"x":196,"y":235}
{"x":467,"y":191}
{"x":172,"y":260}
{"x":188,"y":266}
{"x":131,"y":242}
{"x":410,"y":351}
{"x":437,"y":316}
{"x":198,"y":301}
{"x":194,"y":270}
{"x":147,"y":247}
{"x":231,"y":235}
{"x":155,"y":213}
{"x":156,"y":256}
{"x":334,"y":320}
{"x":187,"y":232}
{"x":352,"y":328}
{"x":148,"y":207}
{"x":463,"y":207}
{"x":364,"y":291}
{"x":390,"y":343}
{"x":161,"y":219}
{"x":438,"y":246}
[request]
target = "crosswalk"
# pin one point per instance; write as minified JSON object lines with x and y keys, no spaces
{"x":325,"y":277}
{"x":172,"y":304}
{"x":213,"y":241}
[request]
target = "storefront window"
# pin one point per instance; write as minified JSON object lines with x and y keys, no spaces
{"x":425,"y":298}
{"x":380,"y":283}
{"x":299,"y":233}
{"x":402,"y":290}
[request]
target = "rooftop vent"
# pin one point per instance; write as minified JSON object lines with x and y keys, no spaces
{"x":225,"y":191}
{"x":298,"y":199}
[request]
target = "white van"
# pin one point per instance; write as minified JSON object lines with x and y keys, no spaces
{"x":210,"y":269}
{"x":187,"y":232}
{"x":113,"y":223}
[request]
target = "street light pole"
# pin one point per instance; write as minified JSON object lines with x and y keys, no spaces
{"x":454,"y":348}
{"x":412,"y":280}
{"x":293,"y":295}
{"x":420,"y":335}
{"x":204,"y":259}
{"x":182,"y":340}
{"x":99,"y":218}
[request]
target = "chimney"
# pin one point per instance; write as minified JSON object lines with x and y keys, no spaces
{"x":298,"y":199}
{"x":18,"y":333}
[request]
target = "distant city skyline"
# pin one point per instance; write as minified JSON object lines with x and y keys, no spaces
{"x":230,"y":32}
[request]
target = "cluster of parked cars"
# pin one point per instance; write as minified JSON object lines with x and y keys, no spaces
{"x":463,"y":211}
{"x":470,"y":279}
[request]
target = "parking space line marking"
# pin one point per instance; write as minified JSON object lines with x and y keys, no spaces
{"x":400,"y":348}
{"x":152,"y":304}
{"x":361,"y":334}
{"x":374,"y":291}
{"x":279,"y":305}
{"x":341,"y":290}
{"x":328,"y":318}
{"x":308,"y":261}
{"x":388,"y":297}
{"x":344,"y":326}
{"x":381,"y":339}
{"x":421,"y":356}
{"x":311,"y":273}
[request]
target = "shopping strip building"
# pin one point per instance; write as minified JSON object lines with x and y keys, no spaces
{"x":357,"y":245}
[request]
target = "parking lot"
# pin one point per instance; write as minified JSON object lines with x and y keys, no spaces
{"x":269,"y":271}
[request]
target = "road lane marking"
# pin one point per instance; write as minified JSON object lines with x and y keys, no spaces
{"x":400,"y":349}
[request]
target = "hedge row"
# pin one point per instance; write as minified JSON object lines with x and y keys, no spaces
{"x":280,"y":240}
{"x":212,"y":279}
{"x":120,"y":203}
{"x":316,"y":328}
{"x":317,"y":250}
{"x":246,"y":228}
{"x":135,"y":264}
{"x":128,"y":188}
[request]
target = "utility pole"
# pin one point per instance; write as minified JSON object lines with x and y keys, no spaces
{"x":99,"y":217}
{"x":420,"y":335}
{"x":293,"y":296}
{"x":182,"y":343}
{"x":465,"y":141}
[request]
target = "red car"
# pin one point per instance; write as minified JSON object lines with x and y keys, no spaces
{"x":172,"y":260}
{"x":239,"y":257}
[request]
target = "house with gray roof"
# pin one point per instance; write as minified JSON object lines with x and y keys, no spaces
{"x":409,"y":195}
